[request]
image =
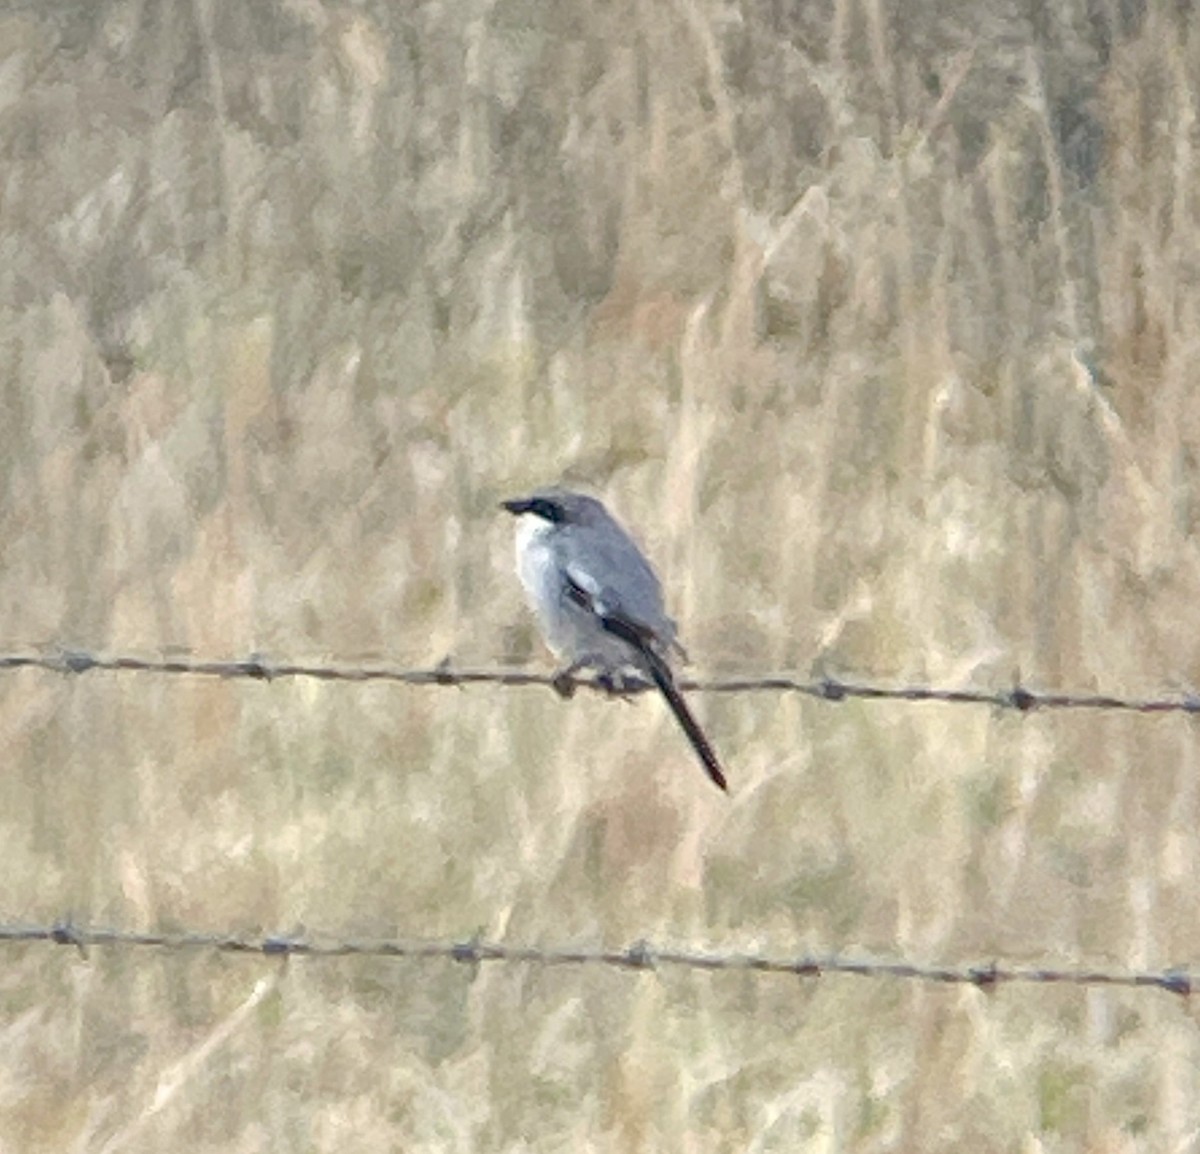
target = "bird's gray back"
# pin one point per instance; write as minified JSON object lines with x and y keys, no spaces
{"x":597,"y":546}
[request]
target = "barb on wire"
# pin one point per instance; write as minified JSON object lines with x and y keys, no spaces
{"x":640,"y":955}
{"x":1019,"y":698}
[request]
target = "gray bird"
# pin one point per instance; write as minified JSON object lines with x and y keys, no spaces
{"x":597,"y":599}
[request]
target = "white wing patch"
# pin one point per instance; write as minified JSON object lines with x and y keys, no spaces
{"x":589,"y":585}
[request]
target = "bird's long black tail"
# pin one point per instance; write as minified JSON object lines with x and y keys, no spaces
{"x":665,"y":681}
{"x":641,"y":639}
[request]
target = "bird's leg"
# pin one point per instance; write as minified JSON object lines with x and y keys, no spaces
{"x":613,"y":682}
{"x":564,"y":682}
{"x":616,"y":683}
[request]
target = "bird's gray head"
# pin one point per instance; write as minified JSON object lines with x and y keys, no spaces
{"x":558,"y":507}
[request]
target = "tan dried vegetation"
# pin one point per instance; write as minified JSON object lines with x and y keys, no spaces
{"x":876,"y":320}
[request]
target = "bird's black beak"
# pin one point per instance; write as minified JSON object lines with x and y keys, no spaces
{"x":517,"y":506}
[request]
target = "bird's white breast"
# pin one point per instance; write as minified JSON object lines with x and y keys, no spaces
{"x":536,"y":565}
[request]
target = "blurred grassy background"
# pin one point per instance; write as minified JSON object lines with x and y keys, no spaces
{"x":877,"y":321}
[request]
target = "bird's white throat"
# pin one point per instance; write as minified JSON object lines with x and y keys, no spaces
{"x":535,"y":563}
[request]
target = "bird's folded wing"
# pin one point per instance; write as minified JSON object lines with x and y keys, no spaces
{"x":587,"y":593}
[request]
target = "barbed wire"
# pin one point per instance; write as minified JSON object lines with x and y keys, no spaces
{"x":641,"y":955}
{"x":1020,"y":698}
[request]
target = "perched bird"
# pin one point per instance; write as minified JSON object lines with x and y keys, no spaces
{"x":597,"y":600}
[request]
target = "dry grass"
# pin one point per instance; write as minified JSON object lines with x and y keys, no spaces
{"x":291,"y":295}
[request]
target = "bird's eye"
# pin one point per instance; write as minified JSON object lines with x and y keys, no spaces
{"x":546,"y":509}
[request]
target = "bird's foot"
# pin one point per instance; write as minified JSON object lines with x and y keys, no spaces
{"x":564,"y":682}
{"x":613,"y":682}
{"x":618,"y":684}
